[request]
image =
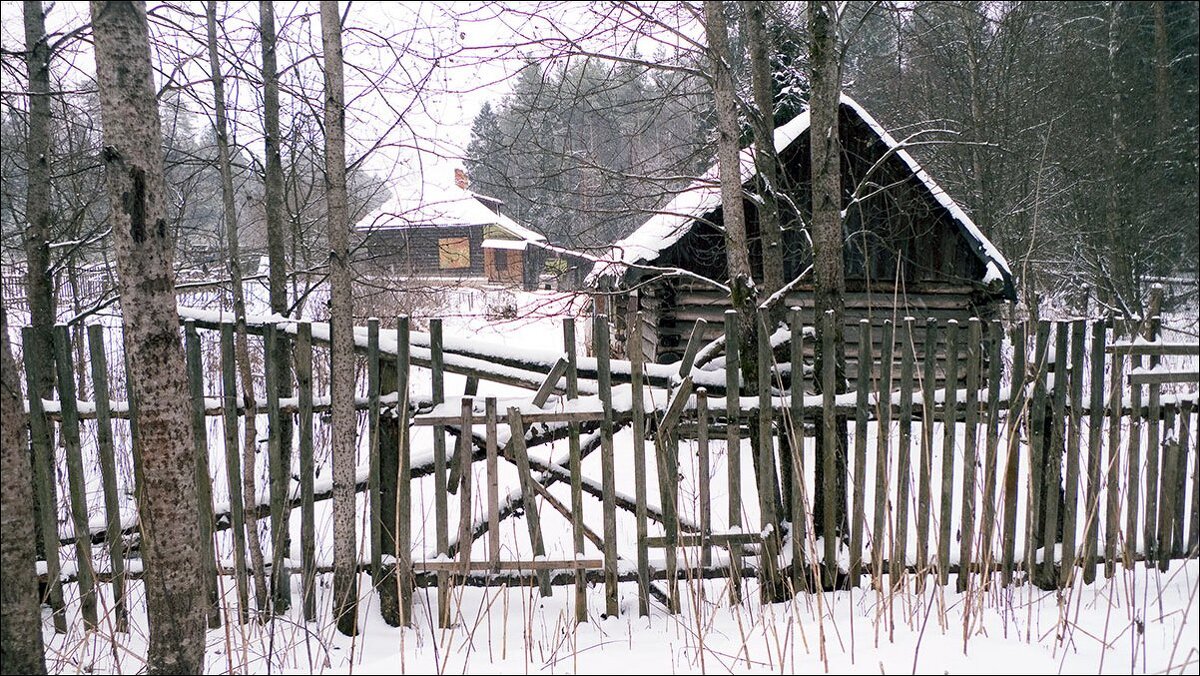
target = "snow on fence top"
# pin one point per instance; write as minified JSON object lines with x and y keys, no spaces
{"x":703,"y":196}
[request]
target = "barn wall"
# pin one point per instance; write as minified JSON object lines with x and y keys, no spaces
{"x":672,"y":311}
{"x":418,"y":250}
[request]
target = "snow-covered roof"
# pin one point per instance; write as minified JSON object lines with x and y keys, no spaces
{"x":451,"y":206}
{"x":703,"y":197}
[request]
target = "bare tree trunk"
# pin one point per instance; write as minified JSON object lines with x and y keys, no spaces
{"x":21,"y":650}
{"x":137,"y":208}
{"x":281,"y":358}
{"x":241,"y":343}
{"x":39,"y":286}
{"x":828,"y":264}
{"x":766,"y":159}
{"x":733,"y":213}
{"x":341,"y":302}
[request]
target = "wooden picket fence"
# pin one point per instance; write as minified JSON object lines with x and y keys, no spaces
{"x":1067,"y":457}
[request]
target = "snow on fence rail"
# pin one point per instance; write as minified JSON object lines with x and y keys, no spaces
{"x":1062,"y":451}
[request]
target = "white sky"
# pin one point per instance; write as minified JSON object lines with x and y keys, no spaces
{"x":430,"y":65}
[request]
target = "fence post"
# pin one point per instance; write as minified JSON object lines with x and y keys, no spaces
{"x":925,"y":473}
{"x":970,"y":455}
{"x":768,"y":485}
{"x":281,"y":477}
{"x":733,"y":447}
{"x":1037,"y":443}
{"x":1074,"y":434}
{"x":1012,"y":467}
{"x":75,"y":478}
{"x":992,"y":449}
{"x":899,"y":558}
{"x":609,"y":488}
{"x":108,"y":471}
{"x":195,"y":368}
{"x":308,"y":538}
{"x":233,"y":471}
{"x":43,"y":477}
{"x":1112,"y":507}
{"x":883,"y":404}
{"x":403,"y":496}
{"x":635,"y":350}
{"x":373,"y":460}
{"x":861,"y":409}
{"x":798,"y":507}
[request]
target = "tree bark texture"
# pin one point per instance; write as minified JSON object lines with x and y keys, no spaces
{"x":39,"y":286}
{"x":138,"y":202}
{"x":345,"y":587}
{"x":21,"y":650}
{"x":766,"y":160}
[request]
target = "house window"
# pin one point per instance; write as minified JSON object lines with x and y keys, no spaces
{"x":454,"y":253}
{"x":501,"y":261}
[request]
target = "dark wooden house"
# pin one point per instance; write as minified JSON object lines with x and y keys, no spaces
{"x":454,"y":234}
{"x":909,"y":249}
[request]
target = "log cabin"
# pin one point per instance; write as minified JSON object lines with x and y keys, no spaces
{"x":909,"y":249}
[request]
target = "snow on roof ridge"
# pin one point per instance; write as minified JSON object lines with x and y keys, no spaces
{"x":668,"y":226}
{"x":450,"y":206}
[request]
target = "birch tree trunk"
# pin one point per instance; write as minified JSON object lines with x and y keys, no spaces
{"x":241,"y":343}
{"x":826,"y":224}
{"x":21,"y":649}
{"x":138,"y":203}
{"x":345,"y":584}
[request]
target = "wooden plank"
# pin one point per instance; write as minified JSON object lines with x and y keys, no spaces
{"x":1166,"y":508}
{"x":608,"y":471}
{"x":530,"y":418}
{"x":280,"y":477}
{"x":970,"y":453}
{"x":1012,"y":466}
{"x":528,"y":496}
{"x":1184,"y":436}
{"x":988,"y":511}
{"x":636,"y":367}
{"x":798,"y":515}
{"x":733,"y":443}
{"x":949,"y":452}
{"x":1038,"y":443}
{"x":550,"y":383}
{"x":404,"y":578}
{"x":76,"y":481}
{"x":541,"y":566}
{"x":204,"y":509}
{"x":1160,"y":349}
{"x":702,"y":473}
{"x":903,"y":457}
{"x":695,"y":341}
{"x":308,"y":540}
{"x":1133,"y":468}
{"x":1112,"y":506}
{"x":572,"y":373}
{"x":373,"y":487}
{"x":768,"y":484}
{"x":858,"y":511}
{"x":1074,"y":435}
{"x":924,"y":474}
{"x":465,"y":516}
{"x":1183,"y":376}
{"x":108,"y":473}
{"x":233,"y":468}
{"x":44,"y":484}
{"x":706,"y":540}
{"x":440,"y":488}
{"x":1091,"y":532}
{"x":493,"y":479}
{"x":1053,"y":456}
{"x":1193,"y":540}
{"x":829,"y":451}
{"x":883,"y":413}
{"x":1153,"y":469}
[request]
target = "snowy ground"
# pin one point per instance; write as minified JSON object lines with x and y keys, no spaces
{"x":1139,"y":621}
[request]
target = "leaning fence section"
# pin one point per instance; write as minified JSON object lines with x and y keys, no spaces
{"x":1044,"y":453}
